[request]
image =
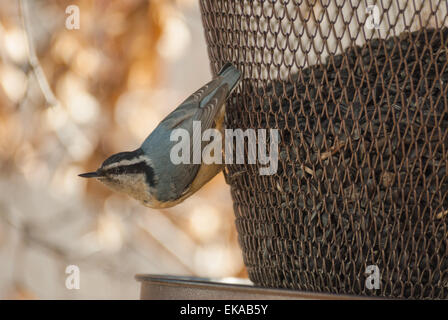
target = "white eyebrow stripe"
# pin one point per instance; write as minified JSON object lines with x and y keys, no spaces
{"x":129,"y":162}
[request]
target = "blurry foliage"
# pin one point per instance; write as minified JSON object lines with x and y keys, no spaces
{"x":109,"y":77}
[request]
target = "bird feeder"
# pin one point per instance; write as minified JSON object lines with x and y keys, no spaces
{"x":359,"y":93}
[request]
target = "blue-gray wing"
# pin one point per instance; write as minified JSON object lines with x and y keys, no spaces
{"x":202,"y":106}
{"x":205,"y":103}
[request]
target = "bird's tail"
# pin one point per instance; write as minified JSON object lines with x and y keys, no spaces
{"x":230,"y":75}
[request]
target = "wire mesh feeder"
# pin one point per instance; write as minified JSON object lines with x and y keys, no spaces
{"x":359,"y":94}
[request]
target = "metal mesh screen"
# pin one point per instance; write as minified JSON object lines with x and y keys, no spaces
{"x":358,"y":91}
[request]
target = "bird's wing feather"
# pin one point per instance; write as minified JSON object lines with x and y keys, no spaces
{"x":203,"y":105}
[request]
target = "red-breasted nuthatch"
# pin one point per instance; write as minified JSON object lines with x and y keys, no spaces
{"x":148,"y":174}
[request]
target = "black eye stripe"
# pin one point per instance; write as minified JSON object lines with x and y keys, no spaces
{"x":140,"y":167}
{"x":132,"y":168}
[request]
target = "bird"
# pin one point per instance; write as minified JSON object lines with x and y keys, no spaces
{"x":147,"y":173}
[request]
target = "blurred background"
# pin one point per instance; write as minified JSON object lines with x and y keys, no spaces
{"x":110,"y":82}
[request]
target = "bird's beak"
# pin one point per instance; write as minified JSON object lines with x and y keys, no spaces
{"x":94,"y":174}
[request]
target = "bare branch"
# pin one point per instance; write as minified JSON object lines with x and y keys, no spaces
{"x":49,"y":96}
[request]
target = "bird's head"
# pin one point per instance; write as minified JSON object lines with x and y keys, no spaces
{"x":129,"y":172}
